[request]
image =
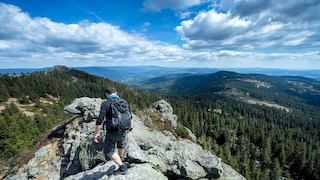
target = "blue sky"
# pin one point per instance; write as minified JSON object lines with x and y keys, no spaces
{"x":169,"y":33}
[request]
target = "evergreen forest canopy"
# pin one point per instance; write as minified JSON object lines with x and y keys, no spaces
{"x":259,"y":141}
{"x":276,"y":136}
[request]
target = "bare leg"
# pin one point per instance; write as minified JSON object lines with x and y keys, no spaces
{"x":116,"y":158}
{"x":123,"y":167}
{"x":121,"y":152}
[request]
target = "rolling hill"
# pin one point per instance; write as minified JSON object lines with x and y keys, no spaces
{"x":276,"y":89}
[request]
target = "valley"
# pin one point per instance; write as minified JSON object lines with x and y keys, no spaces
{"x":259,"y":124}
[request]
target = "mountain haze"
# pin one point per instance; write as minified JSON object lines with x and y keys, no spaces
{"x":134,"y":74}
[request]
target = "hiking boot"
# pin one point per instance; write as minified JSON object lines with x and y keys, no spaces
{"x":122,"y":170}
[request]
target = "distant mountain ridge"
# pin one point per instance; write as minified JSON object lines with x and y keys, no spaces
{"x":281,"y":89}
{"x":302,"y":84}
{"x":134,"y":74}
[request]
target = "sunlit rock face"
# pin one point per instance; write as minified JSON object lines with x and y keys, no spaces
{"x":152,"y":154}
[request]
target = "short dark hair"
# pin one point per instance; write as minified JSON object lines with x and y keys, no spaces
{"x":111,"y":90}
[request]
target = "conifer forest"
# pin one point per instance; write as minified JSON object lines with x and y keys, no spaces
{"x":258,"y":141}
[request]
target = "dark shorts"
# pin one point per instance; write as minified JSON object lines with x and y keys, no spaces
{"x":112,"y":140}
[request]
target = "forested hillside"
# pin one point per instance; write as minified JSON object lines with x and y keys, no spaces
{"x":33,"y":103}
{"x":265,"y":127}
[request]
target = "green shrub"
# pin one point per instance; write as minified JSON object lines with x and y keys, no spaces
{"x":182,"y":132}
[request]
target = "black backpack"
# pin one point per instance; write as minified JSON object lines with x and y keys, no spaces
{"x":121,"y":115}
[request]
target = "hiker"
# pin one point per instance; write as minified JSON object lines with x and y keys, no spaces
{"x":114,"y":137}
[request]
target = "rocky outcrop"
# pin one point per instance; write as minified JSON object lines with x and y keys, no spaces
{"x":152,"y":154}
{"x":88,"y":107}
{"x":166,"y":112}
{"x":59,"y":68}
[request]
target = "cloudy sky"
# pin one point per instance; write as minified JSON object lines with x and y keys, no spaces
{"x":281,"y":34}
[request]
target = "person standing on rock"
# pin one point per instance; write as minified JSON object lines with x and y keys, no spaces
{"x":114,"y":138}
